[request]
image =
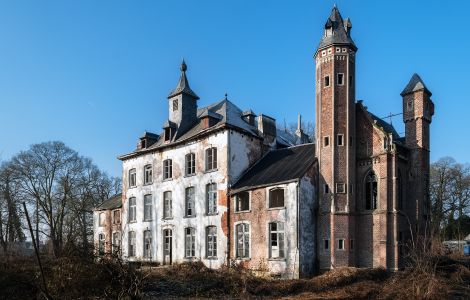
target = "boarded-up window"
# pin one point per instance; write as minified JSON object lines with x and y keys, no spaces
{"x":276,"y":198}
{"x":102,"y":219}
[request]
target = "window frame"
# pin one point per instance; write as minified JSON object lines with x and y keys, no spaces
{"x":245,"y":239}
{"x":148,"y":174}
{"x":190,"y":164}
{"x":273,"y":190}
{"x":341,"y":244}
{"x":189,"y":244}
{"x":101,"y":244}
{"x":147,"y":243}
{"x":116,"y":247}
{"x":168,"y":169}
{"x":374,"y":203}
{"x":340,"y":188}
{"x":280,"y":247}
{"x":175,"y":104}
{"x":326,"y":188}
{"x":326,"y":244}
{"x":101,"y":219}
{"x":147,"y":211}
{"x":190,"y":202}
{"x":132,"y":210}
{"x":211,"y":242}
{"x":132,"y":178}
{"x":211,"y":202}
{"x":118,"y":221}
{"x":211,"y":159}
{"x":237,"y":202}
{"x":338,"y":76}
{"x":340,"y":139}
{"x":167,"y":205}
{"x":326,"y":141}
{"x":326,"y":81}
{"x":131,"y":236}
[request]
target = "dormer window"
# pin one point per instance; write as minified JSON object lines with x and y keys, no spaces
{"x":175,"y":104}
{"x":167,"y":134}
{"x":143,"y":144}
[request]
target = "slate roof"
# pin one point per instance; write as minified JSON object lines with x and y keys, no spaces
{"x":183,"y":84}
{"x":112,"y":203}
{"x":415,"y":84}
{"x":277,"y":166}
{"x":339,"y":35}
{"x":387,"y":127}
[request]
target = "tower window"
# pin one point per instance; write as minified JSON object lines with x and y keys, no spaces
{"x":410,"y":105}
{"x":350,"y":141}
{"x":351,"y":245}
{"x":326,"y":189}
{"x":340,"y":78}
{"x":350,"y":80}
{"x":341,"y":244}
{"x":344,"y":50}
{"x":326,"y":244}
{"x":371,"y":191}
{"x":340,"y":188}
{"x":167,"y":134}
{"x":340,"y":140}
{"x":175,"y":104}
{"x":327,"y":81}
{"x":338,"y":49}
{"x":326,"y":141}
{"x":323,"y":53}
{"x":330,"y":50}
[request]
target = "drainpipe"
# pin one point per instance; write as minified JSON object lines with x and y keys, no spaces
{"x":229,"y":185}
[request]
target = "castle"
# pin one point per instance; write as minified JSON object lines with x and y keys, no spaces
{"x":223,"y":185}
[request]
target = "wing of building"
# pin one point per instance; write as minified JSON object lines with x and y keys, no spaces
{"x":219,"y":184}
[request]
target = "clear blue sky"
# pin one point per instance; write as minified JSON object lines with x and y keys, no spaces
{"x":95,"y":74}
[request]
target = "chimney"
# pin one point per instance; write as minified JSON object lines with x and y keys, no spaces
{"x":267,"y":128}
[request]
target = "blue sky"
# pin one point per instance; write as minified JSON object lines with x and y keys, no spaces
{"x":95,"y":74}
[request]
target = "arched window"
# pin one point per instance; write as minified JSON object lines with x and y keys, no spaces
{"x":371,"y":191}
{"x":101,"y":243}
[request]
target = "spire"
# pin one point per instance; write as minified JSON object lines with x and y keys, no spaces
{"x":415,"y":84}
{"x":337,"y":31}
{"x":183,"y":84}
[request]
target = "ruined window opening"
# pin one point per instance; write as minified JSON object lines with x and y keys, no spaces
{"x":399,"y":191}
{"x":410,"y":105}
{"x":211,"y":159}
{"x":243,"y":240}
{"x":175,"y":104}
{"x":132,"y":178}
{"x":102,"y":219}
{"x":190,"y":242}
{"x":211,"y":198}
{"x":147,"y":244}
{"x":326,"y":141}
{"x":117,"y":216}
{"x":326,"y":244}
{"x":211,"y":242}
{"x":167,"y":169}
{"x":340,"y":188}
{"x":167,"y":205}
{"x":189,"y":207}
{"x":148,"y":174}
{"x":327,"y":81}
{"x":340,"y":140}
{"x":101,"y":243}
{"x":340,"y":78}
{"x":148,"y":207}
{"x":116,"y":243}
{"x":190,"y":164}
{"x":276,"y":198}
{"x":243,"y":201}
{"x":132,"y":209}
{"x":131,"y":250}
{"x":371,"y":191}
{"x":326,"y":189}
{"x":276,"y":240}
{"x":351,"y":245}
{"x":341,"y":244}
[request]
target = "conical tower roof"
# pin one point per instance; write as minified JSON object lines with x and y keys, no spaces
{"x":415,"y":84}
{"x":337,"y":31}
{"x":183,"y":84}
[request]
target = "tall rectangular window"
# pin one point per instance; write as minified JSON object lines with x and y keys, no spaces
{"x":326,"y":189}
{"x":276,"y":240}
{"x":189,"y":205}
{"x":211,"y":198}
{"x":340,"y":79}
{"x":326,"y":141}
{"x":117,"y":216}
{"x":190,"y":242}
{"x":132,"y":209}
{"x":148,"y":207}
{"x":211,"y":159}
{"x":341,"y":244}
{"x":167,"y":205}
{"x":132,"y":178}
{"x":340,"y":140}
{"x":102,"y":219}
{"x":243,"y":240}
{"x":167,"y":169}
{"x":190,"y":168}
{"x":351,"y":245}
{"x":147,"y":244}
{"x":211,"y":242}
{"x":326,"y":244}
{"x":276,"y":198}
{"x":101,"y":243}
{"x":131,"y":243}
{"x":116,"y":243}
{"x":148,"y":174}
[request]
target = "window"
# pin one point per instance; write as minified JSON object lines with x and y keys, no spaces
{"x":189,"y":205}
{"x":148,"y":171}
{"x":102,"y":219}
{"x":189,"y":242}
{"x":338,"y":49}
{"x":190,"y":164}
{"x":327,"y":81}
{"x":175,"y":104}
{"x":132,"y":209}
{"x":340,"y":78}
{"x":344,"y":50}
{"x":116,"y":243}
{"x":167,"y":204}
{"x":371,"y":191}
{"x":326,"y":244}
{"x":167,"y":169}
{"x":340,"y":188}
{"x":148,"y":207}
{"x":326,"y":141}
{"x":147,"y":244}
{"x":211,"y":194}
{"x":132,"y":178}
{"x":276,"y":240}
{"x":101,"y":243}
{"x":341,"y":244}
{"x":243,"y":240}
{"x":410,"y":105}
{"x":350,"y":141}
{"x":116,"y":216}
{"x":340,"y":140}
{"x":211,"y":159}
{"x":211,"y":241}
{"x":326,"y":189}
{"x":350,"y":79}
{"x":131,"y":250}
{"x":329,"y":51}
{"x":351,"y":188}
{"x":276,"y":198}
{"x":242,"y":201}
{"x":323,"y":53}
{"x":351,"y":245}
{"x":167,"y":134}
{"x":399,"y":191}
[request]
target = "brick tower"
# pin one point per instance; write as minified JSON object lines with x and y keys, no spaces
{"x":335,"y":132}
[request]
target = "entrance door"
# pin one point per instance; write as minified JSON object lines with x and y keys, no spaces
{"x":167,"y":246}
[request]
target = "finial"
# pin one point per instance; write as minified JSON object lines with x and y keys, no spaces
{"x":183,"y":67}
{"x":226,"y":96}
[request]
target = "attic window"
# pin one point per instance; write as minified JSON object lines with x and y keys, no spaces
{"x":175,"y":105}
{"x":327,"y":81}
{"x":143,"y":144}
{"x":167,"y":134}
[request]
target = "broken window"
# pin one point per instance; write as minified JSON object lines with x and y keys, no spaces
{"x":211,"y":242}
{"x":167,"y":134}
{"x":211,"y":159}
{"x":189,"y":206}
{"x":190,"y":242}
{"x":190,"y":164}
{"x":276,"y":240}
{"x":371,"y":191}
{"x":243,"y":240}
{"x":148,"y":172}
{"x":132,"y":178}
{"x":101,"y":243}
{"x":117,"y":216}
{"x":276,"y":198}
{"x":167,"y":169}
{"x":242,"y":201}
{"x":116,"y":243}
{"x":148,"y":207}
{"x":132,"y":209}
{"x":211,"y":198}
{"x":102,"y":219}
{"x":147,"y":244}
{"x":167,"y":205}
{"x":131,"y":243}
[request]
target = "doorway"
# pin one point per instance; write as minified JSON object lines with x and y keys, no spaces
{"x":167,"y":246}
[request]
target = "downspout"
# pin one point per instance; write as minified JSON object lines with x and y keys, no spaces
{"x":229,"y":185}
{"x":297,"y":230}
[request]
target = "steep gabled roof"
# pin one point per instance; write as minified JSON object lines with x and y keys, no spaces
{"x":386,"y":127}
{"x":112,"y":203}
{"x":278,"y":166}
{"x":415,"y":84}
